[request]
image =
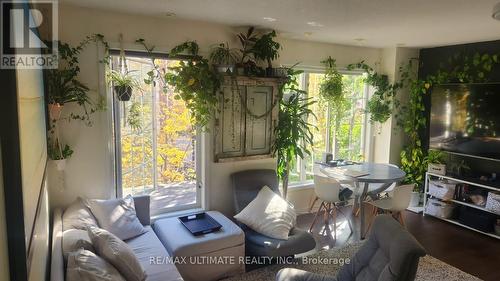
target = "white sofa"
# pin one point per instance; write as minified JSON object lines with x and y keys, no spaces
{"x":145,"y":246}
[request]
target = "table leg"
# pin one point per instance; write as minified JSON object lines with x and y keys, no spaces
{"x":362,"y":209}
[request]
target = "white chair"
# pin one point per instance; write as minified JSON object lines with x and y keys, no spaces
{"x":394,"y":205}
{"x":327,"y":189}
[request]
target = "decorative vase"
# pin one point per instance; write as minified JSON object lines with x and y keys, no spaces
{"x":123,"y":92}
{"x":55,"y":111}
{"x":415,"y":199}
{"x":60,"y":164}
{"x":224,"y":68}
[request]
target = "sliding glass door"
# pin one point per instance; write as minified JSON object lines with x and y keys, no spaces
{"x":156,"y":145}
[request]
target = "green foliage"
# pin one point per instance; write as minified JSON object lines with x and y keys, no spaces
{"x":266,"y":49}
{"x":186,"y":48}
{"x":134,"y":116}
{"x":435,"y":157}
{"x":380,"y":105}
{"x":57,"y":151}
{"x":223,"y":55}
{"x":247,"y":41}
{"x":62,"y":83}
{"x":197,"y":85}
{"x":293,"y":133}
{"x":122,"y":79}
{"x":331,"y":87}
{"x":412,"y":116}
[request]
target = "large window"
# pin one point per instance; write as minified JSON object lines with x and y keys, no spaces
{"x":156,"y":145}
{"x":341,"y":128}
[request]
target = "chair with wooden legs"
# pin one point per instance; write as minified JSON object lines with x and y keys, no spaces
{"x":394,"y":205}
{"x":327,"y":189}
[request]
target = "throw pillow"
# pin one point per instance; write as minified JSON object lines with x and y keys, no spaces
{"x":117,"y":216}
{"x":117,"y":253}
{"x":269,"y":214}
{"x":78,"y":216}
{"x":84,"y":265}
{"x":73,"y":240}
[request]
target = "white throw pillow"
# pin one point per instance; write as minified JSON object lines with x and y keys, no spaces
{"x":117,"y":253}
{"x":269,"y":214}
{"x":84,"y":265}
{"x":117,"y":216}
{"x":75,"y":239}
{"x":78,"y":216}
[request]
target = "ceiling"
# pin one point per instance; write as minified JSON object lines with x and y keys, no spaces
{"x":371,"y":23}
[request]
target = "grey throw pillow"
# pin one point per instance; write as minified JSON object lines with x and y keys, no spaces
{"x":117,"y":216}
{"x":117,"y":253}
{"x":78,"y":216}
{"x":84,"y":265}
{"x":75,"y":239}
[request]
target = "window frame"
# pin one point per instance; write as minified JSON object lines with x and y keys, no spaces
{"x":199,"y":159}
{"x":366,"y":140}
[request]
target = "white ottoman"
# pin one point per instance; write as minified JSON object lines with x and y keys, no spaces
{"x":206,"y":257}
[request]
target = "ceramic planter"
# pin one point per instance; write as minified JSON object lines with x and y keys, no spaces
{"x":123,"y":93}
{"x":55,"y":111}
{"x":415,"y":199}
{"x":60,"y":164}
{"x":224,"y":68}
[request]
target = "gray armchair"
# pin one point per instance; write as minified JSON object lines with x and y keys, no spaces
{"x":246,"y":185}
{"x":389,"y":254}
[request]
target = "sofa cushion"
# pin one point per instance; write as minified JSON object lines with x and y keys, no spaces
{"x":74,"y":239}
{"x":118,"y":253}
{"x":78,"y":216}
{"x":117,"y":216}
{"x":84,"y":265}
{"x":269,"y":214}
{"x":153,"y":257}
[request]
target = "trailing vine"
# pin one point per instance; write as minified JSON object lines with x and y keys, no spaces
{"x":411,"y":117}
{"x":331,"y":87}
{"x":381,"y":104}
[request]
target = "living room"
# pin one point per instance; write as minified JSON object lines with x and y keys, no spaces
{"x":250,"y":140}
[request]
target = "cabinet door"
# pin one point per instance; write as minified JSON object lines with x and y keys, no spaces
{"x":231,"y":121}
{"x":258,"y":124}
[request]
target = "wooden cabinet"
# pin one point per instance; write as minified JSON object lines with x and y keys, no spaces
{"x":247,"y":116}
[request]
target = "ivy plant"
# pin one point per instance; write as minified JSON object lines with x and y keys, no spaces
{"x":380,"y":105}
{"x":331,"y":88}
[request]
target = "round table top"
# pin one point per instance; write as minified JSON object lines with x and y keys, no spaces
{"x":377,"y":172}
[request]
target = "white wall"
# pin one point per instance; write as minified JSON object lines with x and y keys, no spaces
{"x":4,"y":255}
{"x":89,"y":171}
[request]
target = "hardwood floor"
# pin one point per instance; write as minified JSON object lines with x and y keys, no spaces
{"x":467,"y":250}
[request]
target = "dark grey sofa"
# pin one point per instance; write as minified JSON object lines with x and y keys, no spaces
{"x":389,"y":254}
{"x":246,"y":185}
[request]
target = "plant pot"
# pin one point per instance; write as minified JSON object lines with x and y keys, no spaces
{"x":269,"y":72}
{"x":55,"y":111}
{"x":414,"y":199}
{"x":123,"y":93}
{"x":240,"y":70}
{"x":224,"y":68}
{"x":60,"y":164}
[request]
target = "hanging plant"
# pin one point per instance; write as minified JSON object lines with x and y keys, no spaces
{"x":123,"y":83}
{"x":331,"y":88}
{"x":381,"y":104}
{"x":195,"y":83}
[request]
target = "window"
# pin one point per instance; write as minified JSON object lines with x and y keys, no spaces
{"x":156,"y":145}
{"x":341,"y":129}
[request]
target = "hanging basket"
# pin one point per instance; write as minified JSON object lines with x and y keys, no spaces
{"x":55,"y":111}
{"x":123,"y":93}
{"x":59,"y":164}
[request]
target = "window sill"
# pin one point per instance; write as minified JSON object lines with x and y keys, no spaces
{"x":176,"y":214}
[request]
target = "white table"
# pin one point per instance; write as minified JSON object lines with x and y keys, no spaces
{"x":384,"y":174}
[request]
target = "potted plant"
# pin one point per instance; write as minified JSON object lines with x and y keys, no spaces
{"x":266,"y":49}
{"x":123,"y":84}
{"x":223,"y":58}
{"x":293,"y":132}
{"x":331,"y":88}
{"x":247,"y":41}
{"x":59,"y":153}
{"x":435,"y":162}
